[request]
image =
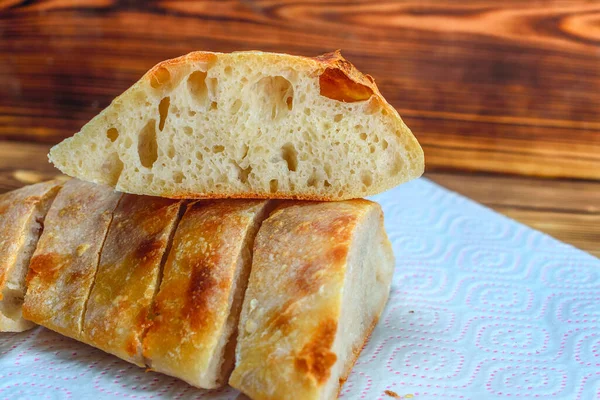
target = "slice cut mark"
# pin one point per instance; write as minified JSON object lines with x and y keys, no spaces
{"x":192,"y":335}
{"x":64,"y":264}
{"x":130,"y":267}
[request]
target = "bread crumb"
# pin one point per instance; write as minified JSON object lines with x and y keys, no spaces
{"x":392,"y":394}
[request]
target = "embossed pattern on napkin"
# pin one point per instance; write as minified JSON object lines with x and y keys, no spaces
{"x":481,"y":308}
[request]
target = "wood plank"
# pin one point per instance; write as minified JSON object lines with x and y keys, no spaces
{"x":567,"y":196}
{"x":499,"y":87}
{"x":23,"y":164}
{"x":579,"y":230}
{"x":568,"y":210}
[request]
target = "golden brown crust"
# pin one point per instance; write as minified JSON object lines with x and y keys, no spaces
{"x":293,"y":300}
{"x":127,"y":277}
{"x":62,"y":269}
{"x":316,"y":357}
{"x":166,"y":74}
{"x":343,"y":82}
{"x":19,"y":230}
{"x":186,"y":335}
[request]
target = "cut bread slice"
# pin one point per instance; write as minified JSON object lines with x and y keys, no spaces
{"x":63,"y":266}
{"x":192,"y":334}
{"x":127,"y":278}
{"x":321,"y":275}
{"x":22,"y":214}
{"x":250,"y":125}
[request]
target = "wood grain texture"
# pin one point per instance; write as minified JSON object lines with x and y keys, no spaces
{"x":568,"y":210}
{"x":509,"y":86}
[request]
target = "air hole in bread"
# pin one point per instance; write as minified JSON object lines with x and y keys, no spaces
{"x":177,"y":177}
{"x":112,"y":168}
{"x":244,"y":151}
{"x":397,"y":167}
{"x":188,"y":130}
{"x":218,"y":149}
{"x":211,"y":84}
{"x":277,"y":96}
{"x":376,"y":139}
{"x":338,"y":117}
{"x":290,"y":156}
{"x":199,"y":156}
{"x":273,"y":185}
{"x":235,"y":107}
{"x":307,"y":111}
{"x":171,"y":152}
{"x":163,"y":111}
{"x":327,"y":168}
{"x":197,"y":86}
{"x":191,"y":113}
{"x":213,"y":105}
{"x":128,"y":143}
{"x":147,"y":146}
{"x":112,"y":134}
{"x":228,"y":71}
{"x":326,"y":183}
{"x":372,"y":149}
{"x":160,"y":77}
{"x":366,"y":178}
{"x":363,"y":136}
{"x":243,"y":174}
{"x":336,"y":85}
{"x":384,"y":144}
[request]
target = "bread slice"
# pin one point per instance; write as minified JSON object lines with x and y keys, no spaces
{"x":64,"y":264}
{"x":128,"y":275}
{"x":321,"y":275}
{"x":22,"y":214}
{"x":246,"y":124}
{"x":192,"y":335}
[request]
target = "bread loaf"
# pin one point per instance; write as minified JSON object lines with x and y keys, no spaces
{"x":63,"y":266}
{"x":22,"y":214}
{"x":321,"y":275}
{"x":246,"y":124}
{"x":192,"y":333}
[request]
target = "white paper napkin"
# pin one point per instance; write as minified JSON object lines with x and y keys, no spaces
{"x":481,"y":307}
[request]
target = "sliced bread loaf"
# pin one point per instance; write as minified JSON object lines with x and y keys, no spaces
{"x":246,"y":124}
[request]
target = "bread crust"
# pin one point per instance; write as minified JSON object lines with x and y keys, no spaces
{"x":293,"y":303}
{"x":64,"y":264}
{"x":197,"y":308}
{"x":128,"y":275}
{"x":22,"y":213}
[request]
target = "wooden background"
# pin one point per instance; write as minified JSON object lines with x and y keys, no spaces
{"x":504,"y":96}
